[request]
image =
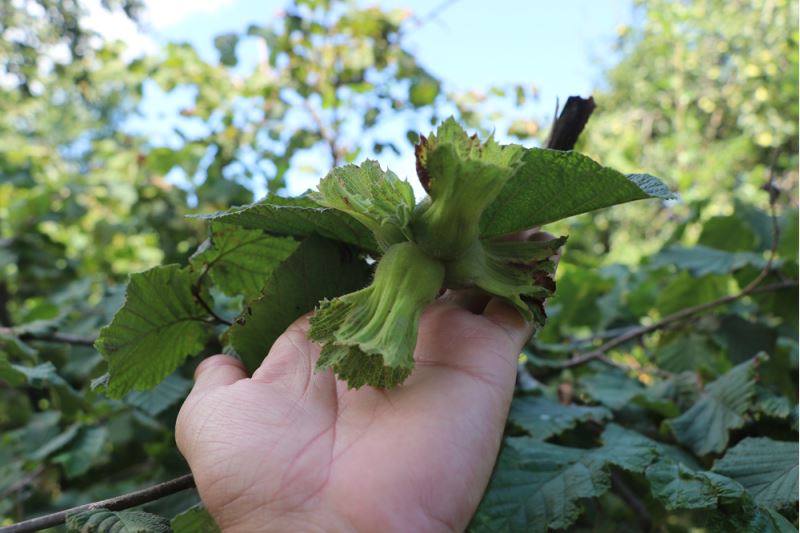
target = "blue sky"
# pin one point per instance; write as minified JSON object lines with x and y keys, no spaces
{"x":562,"y":47}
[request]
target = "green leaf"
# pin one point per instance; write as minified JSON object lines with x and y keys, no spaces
{"x":684,"y":291}
{"x":83,"y":451}
{"x":195,"y":519}
{"x":787,"y":245}
{"x":773,"y":405}
{"x":9,"y":372}
{"x":39,"y":375}
{"x":105,"y":521}
{"x":731,"y":233}
{"x":226,"y":45}
{"x":543,"y":418}
{"x":767,"y":468}
{"x":56,"y":443}
{"x":15,"y":349}
{"x":579,"y":295}
{"x":378,"y":199}
{"x":317,"y":269}
{"x":158,"y":326}
{"x":238,"y":260}
{"x":721,"y":408}
{"x":677,"y":486}
{"x":537,"y":486}
{"x":299,"y":217}
{"x":173,"y":389}
{"x":700,"y":260}
{"x":551,"y":185}
{"x":423,"y":92}
{"x":742,"y":338}
{"x":749,"y":518}
{"x":682,"y":352}
{"x":613,"y":389}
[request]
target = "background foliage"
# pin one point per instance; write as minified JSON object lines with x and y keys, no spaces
{"x":624,"y":414}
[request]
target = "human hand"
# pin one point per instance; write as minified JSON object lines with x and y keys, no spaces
{"x":289,"y":449}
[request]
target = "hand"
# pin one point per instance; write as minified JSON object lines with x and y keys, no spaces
{"x":289,"y":449}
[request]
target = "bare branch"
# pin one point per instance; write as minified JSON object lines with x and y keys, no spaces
{"x":22,"y":483}
{"x":632,"y":499}
{"x":431,"y":15}
{"x":570,"y":123}
{"x":600,"y":353}
{"x":65,"y":338}
{"x":324,"y":132}
{"x":117,"y":503}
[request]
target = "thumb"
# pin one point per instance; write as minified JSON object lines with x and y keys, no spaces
{"x":217,"y":371}
{"x":509,"y":320}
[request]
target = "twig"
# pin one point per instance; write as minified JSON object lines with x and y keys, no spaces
{"x":570,"y":123}
{"x":324,"y":132}
{"x":66,"y":338}
{"x":599,"y":353}
{"x":22,"y":483}
{"x":431,"y":15}
{"x":776,"y":231}
{"x":633,"y":501}
{"x":117,"y":503}
{"x":5,"y":297}
{"x":574,"y":344}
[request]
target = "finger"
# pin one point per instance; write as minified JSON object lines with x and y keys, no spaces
{"x":507,"y":318}
{"x":213,"y":372}
{"x":473,"y":300}
{"x":292,"y":356}
{"x":544,"y":236}
{"x":217,"y":371}
{"x":525,"y":235}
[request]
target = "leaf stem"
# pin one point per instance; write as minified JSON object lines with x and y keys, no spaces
{"x":203,"y":303}
{"x":117,"y":503}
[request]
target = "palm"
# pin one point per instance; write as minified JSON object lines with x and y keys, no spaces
{"x":289,"y":448}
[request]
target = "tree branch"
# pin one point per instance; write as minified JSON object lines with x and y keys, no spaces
{"x":570,"y":123}
{"x":66,"y":338}
{"x":324,"y":132}
{"x":117,"y":503}
{"x":431,"y":15}
{"x":600,"y":353}
{"x":5,"y":297}
{"x":632,"y":499}
{"x":22,"y":483}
